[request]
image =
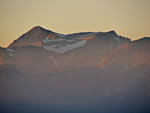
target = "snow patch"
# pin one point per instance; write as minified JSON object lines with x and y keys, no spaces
{"x":60,"y":35}
{"x":118,"y":41}
{"x":55,"y":40}
{"x":58,"y":48}
{"x":50,"y":40}
{"x":62,"y":49}
{"x":10,"y":50}
{"x":55,"y":62}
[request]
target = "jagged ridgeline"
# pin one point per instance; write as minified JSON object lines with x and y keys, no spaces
{"x":88,"y":72}
{"x":47,"y":51}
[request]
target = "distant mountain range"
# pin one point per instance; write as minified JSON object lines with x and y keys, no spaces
{"x":80,"y":72}
{"x":46,"y":51}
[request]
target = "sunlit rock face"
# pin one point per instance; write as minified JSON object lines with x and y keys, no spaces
{"x":34,"y":37}
{"x":46,"y":51}
{"x":133,"y":54}
{"x":88,"y":72}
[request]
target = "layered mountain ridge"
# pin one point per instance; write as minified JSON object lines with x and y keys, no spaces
{"x":46,"y":51}
{"x":86,"y":72}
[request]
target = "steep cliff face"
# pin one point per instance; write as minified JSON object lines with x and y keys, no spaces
{"x":132,"y":54}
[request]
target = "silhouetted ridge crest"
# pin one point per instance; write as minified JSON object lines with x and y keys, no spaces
{"x":33,"y":37}
{"x":37,"y":35}
{"x":39,"y":28}
{"x":111,"y":33}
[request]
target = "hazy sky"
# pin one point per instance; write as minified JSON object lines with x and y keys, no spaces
{"x":129,"y":18}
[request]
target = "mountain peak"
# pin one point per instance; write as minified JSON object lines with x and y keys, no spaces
{"x":36,"y":28}
{"x":33,"y":37}
{"x":112,"y":32}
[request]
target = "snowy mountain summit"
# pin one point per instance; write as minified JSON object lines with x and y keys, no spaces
{"x":61,"y":43}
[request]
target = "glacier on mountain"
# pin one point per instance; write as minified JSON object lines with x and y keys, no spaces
{"x":62,"y":49}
